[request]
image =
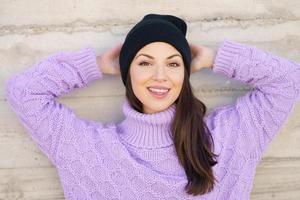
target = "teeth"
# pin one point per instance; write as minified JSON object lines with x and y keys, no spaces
{"x":158,"y":90}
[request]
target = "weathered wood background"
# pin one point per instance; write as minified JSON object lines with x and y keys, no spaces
{"x":30,"y":30}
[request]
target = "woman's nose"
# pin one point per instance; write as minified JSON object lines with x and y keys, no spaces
{"x":160,"y":73}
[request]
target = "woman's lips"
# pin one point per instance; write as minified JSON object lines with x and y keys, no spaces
{"x":158,"y":93}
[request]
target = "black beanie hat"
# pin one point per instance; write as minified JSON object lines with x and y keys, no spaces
{"x":152,"y":28}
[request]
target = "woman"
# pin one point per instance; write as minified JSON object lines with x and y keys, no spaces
{"x":166,"y":147}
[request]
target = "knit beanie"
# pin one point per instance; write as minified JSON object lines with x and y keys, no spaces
{"x":152,"y":28}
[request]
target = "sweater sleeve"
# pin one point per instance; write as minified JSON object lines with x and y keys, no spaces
{"x":256,"y":117}
{"x":32,"y":96}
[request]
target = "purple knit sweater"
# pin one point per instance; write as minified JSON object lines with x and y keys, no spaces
{"x":135,"y":159}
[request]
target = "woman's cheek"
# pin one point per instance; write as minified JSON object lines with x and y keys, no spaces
{"x":144,"y":76}
{"x":177,"y":77}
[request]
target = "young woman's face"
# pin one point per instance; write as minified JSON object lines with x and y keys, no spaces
{"x":157,"y":65}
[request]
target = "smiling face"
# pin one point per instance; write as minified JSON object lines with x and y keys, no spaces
{"x":157,"y":74}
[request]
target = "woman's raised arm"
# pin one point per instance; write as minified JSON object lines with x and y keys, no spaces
{"x":255,"y":118}
{"x":32,"y":92}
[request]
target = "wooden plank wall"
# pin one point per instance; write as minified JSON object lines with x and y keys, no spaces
{"x":32,"y":29}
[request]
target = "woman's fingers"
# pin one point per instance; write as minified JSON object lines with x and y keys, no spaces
{"x":115,"y":54}
{"x":115,"y":51}
{"x":202,"y":57}
{"x":193,"y":49}
{"x":110,"y":62}
{"x":195,"y":63}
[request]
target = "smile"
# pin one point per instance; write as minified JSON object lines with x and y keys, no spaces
{"x":158,"y":92}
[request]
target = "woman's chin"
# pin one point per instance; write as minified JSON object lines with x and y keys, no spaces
{"x":155,"y":107}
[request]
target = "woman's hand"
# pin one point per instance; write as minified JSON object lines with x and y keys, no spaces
{"x":108,"y":61}
{"x":202,"y":56}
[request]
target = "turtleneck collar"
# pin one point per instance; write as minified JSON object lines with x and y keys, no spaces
{"x":147,"y":130}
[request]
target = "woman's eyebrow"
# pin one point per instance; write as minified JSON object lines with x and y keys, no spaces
{"x":153,"y":57}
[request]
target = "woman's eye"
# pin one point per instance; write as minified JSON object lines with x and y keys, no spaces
{"x":142,"y":63}
{"x":176,"y":65}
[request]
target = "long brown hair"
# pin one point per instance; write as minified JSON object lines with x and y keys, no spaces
{"x":192,"y":139}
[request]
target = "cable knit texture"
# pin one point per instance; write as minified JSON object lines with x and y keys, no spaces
{"x":135,"y":158}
